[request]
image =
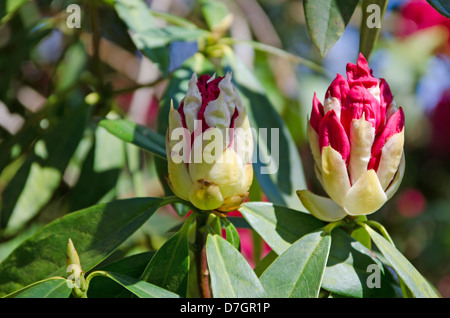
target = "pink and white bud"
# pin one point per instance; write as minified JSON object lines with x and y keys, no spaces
{"x":356,"y":137}
{"x":212,"y":165}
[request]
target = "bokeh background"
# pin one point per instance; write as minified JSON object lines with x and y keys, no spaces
{"x":41,"y":57}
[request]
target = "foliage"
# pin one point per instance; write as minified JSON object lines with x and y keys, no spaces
{"x":80,"y":161}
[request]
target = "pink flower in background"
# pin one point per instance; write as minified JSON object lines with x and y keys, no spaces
{"x":411,"y":203}
{"x":418,"y":15}
{"x":440,"y":128}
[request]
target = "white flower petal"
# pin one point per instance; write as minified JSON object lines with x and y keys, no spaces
{"x":321,"y":207}
{"x":334,"y":175}
{"x":362,"y":135}
{"x":391,"y":154}
{"x":365,"y":196}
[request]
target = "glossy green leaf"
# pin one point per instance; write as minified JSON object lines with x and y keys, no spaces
{"x":138,"y":287}
{"x":231,"y":275}
{"x":280,"y":175}
{"x":346,"y":272}
{"x":169,"y":267}
{"x":99,"y":169}
{"x":298,"y":272}
{"x":138,"y":135}
{"x":148,"y":37}
{"x":231,"y":233}
{"x":372,"y":9}
{"x":96,"y":232}
{"x":326,"y":21}
{"x":132,"y":266}
{"x":55,"y":287}
{"x":442,"y":6}
{"x":350,"y":267}
{"x":279,"y":226}
{"x":36,"y":180}
{"x":416,"y":283}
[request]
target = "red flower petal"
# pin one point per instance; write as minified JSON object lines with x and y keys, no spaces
{"x":316,"y":113}
{"x":338,"y":88}
{"x":209,"y":92}
{"x":360,"y":73}
{"x":360,"y":101}
{"x":393,"y":126}
{"x":332,"y":133}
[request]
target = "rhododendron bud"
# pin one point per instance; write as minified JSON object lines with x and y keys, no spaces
{"x":356,"y":137}
{"x":211,"y":166}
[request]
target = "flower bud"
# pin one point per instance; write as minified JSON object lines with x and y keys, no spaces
{"x":356,"y":138}
{"x":211,"y":165}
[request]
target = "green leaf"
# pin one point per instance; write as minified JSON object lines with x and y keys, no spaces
{"x":169,"y":267}
{"x":265,"y":263}
{"x":148,"y":38}
{"x":132,"y":266}
{"x":360,"y":234}
{"x":280,"y":174}
{"x":346,"y":272}
{"x":138,"y":287}
{"x":55,"y":287}
{"x":279,"y":226}
{"x":441,"y":6}
{"x":99,"y":171}
{"x":326,"y":21}
{"x":69,"y":70}
{"x":36,"y":180}
{"x":96,"y":232}
{"x":231,"y":233}
{"x":368,"y":35}
{"x":298,"y":272}
{"x":417,"y":284}
{"x":8,"y":7}
{"x":350,"y":266}
{"x":214,"y":12}
{"x":136,"y":134}
{"x":231,"y":275}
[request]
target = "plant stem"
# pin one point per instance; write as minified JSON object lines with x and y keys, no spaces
{"x":202,"y":262}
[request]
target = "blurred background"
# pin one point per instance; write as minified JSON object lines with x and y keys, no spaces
{"x":44,"y":63}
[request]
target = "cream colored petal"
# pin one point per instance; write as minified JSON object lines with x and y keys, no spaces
{"x":313,"y":138}
{"x":318,"y":174}
{"x":334,"y":175}
{"x":391,"y":154}
{"x":397,"y":179}
{"x":362,"y":135}
{"x":243,"y":141}
{"x":332,"y":103}
{"x":365,"y":196}
{"x":176,"y":132}
{"x":192,"y":103}
{"x":233,"y":202}
{"x":180,"y":181}
{"x":321,"y":207}
{"x":205,"y":195}
{"x":375,"y":91}
{"x":227,"y":172}
{"x":219,"y":112}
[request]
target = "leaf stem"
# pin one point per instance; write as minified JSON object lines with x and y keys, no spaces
{"x":278,"y":52}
